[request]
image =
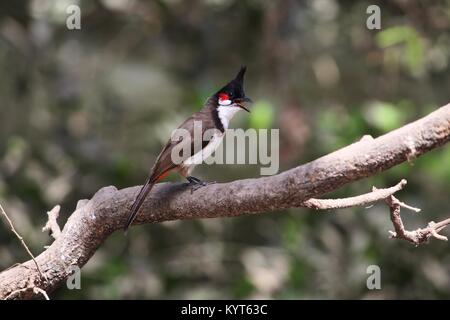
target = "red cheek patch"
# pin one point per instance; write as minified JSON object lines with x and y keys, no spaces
{"x":223,"y":96}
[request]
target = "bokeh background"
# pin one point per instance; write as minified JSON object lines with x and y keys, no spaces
{"x":88,"y":108}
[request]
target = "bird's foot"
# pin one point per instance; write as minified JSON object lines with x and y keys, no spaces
{"x":196,"y":183}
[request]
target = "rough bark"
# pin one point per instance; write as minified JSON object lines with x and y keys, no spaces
{"x":95,"y":219}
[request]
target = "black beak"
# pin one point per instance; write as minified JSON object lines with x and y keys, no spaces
{"x":243,"y":108}
{"x":240,"y":102}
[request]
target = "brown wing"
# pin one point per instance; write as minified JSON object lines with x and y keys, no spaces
{"x":164,"y":161}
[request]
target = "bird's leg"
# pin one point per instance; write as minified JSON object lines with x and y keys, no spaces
{"x":196,"y":183}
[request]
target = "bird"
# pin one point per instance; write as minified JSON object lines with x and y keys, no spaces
{"x":216,"y":113}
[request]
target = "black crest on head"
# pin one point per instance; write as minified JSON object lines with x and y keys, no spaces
{"x":235,"y":88}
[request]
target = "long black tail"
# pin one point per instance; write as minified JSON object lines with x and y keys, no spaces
{"x":139,"y":201}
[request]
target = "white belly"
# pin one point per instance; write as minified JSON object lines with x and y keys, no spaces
{"x":198,"y":158}
{"x":226,"y":113}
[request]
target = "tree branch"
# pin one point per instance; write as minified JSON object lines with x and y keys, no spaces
{"x":24,"y":245}
{"x":52,"y":225}
{"x":418,"y":236}
{"x":94,"y":220}
{"x":362,"y":200}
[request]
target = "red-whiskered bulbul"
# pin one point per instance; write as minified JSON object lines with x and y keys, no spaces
{"x":217,"y":112}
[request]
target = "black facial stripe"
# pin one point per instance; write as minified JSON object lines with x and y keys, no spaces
{"x":217,"y":121}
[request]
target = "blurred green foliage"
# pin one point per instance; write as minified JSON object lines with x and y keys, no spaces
{"x":386,"y":116}
{"x":262,"y":115}
{"x":412,"y":53}
{"x":87,"y":108}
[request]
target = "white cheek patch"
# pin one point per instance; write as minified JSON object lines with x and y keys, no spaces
{"x":224,"y":102}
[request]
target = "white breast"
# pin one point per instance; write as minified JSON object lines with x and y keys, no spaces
{"x":226,"y":113}
{"x":206,"y":151}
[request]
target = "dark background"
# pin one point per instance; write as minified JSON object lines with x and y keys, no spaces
{"x":87,"y":108}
